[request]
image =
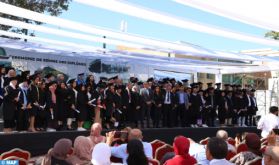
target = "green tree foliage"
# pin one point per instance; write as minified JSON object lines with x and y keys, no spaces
{"x":51,"y":7}
{"x":273,"y":35}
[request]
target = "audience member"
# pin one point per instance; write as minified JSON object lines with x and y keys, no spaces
{"x":216,"y":151}
{"x":166,"y":157}
{"x":136,"y":153}
{"x":253,"y":143}
{"x":269,"y":122}
{"x":101,"y":155}
{"x":82,"y":151}
{"x":60,"y":152}
{"x":198,"y":152}
{"x":181,"y":147}
{"x":271,"y":155}
{"x":95,"y":134}
{"x":222,"y":134}
{"x":121,"y":151}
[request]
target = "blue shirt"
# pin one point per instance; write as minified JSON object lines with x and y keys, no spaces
{"x":121,"y":151}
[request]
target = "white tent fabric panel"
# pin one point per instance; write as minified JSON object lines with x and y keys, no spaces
{"x":260,"y":13}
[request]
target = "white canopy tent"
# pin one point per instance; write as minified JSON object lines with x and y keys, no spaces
{"x":263,"y":14}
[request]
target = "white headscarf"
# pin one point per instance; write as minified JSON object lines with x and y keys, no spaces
{"x":101,"y":154}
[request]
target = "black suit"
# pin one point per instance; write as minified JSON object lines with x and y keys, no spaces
{"x":169,"y":109}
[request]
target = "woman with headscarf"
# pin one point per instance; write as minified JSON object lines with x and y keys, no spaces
{"x":61,"y":151}
{"x":253,"y":143}
{"x":95,"y":134}
{"x":181,"y":147}
{"x":82,"y":151}
{"x":101,"y":155}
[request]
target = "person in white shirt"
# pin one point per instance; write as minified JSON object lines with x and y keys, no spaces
{"x":121,"y":151}
{"x":216,"y":152}
{"x":222,"y":134}
{"x":269,"y":122}
{"x":198,"y":152}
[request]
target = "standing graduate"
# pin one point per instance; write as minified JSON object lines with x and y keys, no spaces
{"x":72,"y":101}
{"x":23,"y":106}
{"x":158,"y":100}
{"x":41,"y":118}
{"x":51,"y":106}
{"x":241,"y":108}
{"x":211,"y":106}
{"x":222,"y":108}
{"x":110,"y":105}
{"x":62,"y":105}
{"x":33,"y":96}
{"x":82,"y":105}
{"x":253,"y":109}
{"x":118,"y":106}
{"x":136,"y":107}
{"x":169,"y":107}
{"x":230,"y":114}
{"x":195,"y":106}
{"x":2,"y":82}
{"x":10,"y":105}
{"x":147,"y":96}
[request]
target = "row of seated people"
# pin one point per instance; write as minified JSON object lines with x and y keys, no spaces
{"x":130,"y":149}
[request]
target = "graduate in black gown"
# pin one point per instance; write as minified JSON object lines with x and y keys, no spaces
{"x":10,"y":105}
{"x":51,"y":106}
{"x":110,"y":106}
{"x":136,"y":107}
{"x":118,"y":106}
{"x":33,"y":96}
{"x":41,"y":118}
{"x":158,"y":100}
{"x":195,"y":106}
{"x":230,"y":112}
{"x":82,"y":105}
{"x":2,"y":82}
{"x":23,"y":106}
{"x":62,"y":105}
{"x":222,"y":108}
{"x":72,"y":101}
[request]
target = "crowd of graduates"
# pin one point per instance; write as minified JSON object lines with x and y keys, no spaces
{"x":38,"y":102}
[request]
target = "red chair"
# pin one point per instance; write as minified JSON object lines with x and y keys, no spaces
{"x":231,"y":141}
{"x":230,"y":155}
{"x":256,"y":161}
{"x":241,"y":148}
{"x":155,"y":145}
{"x":154,"y":162}
{"x":204,"y":141}
{"x":17,"y":152}
{"x":162,"y":151}
{"x":21,"y":161}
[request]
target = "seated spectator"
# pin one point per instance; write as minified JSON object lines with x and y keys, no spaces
{"x":82,"y":151}
{"x":253,"y":143}
{"x":121,"y":151}
{"x":222,"y":134}
{"x":136,"y":153}
{"x":95,"y":134}
{"x":61,"y":151}
{"x":167,"y":157}
{"x":181,"y":147}
{"x":101,"y":155}
{"x":198,"y":152}
{"x":271,"y":155}
{"x":216,"y":152}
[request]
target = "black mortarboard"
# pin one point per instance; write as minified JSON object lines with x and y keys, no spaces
{"x":134,"y":79}
{"x":179,"y":83}
{"x":71,"y":81}
{"x":227,"y":85}
{"x":49,"y":75}
{"x":25,"y":73}
{"x":172,"y":79}
{"x":209,"y":84}
{"x":140,"y":83}
{"x":38,"y":72}
{"x":238,"y":86}
{"x":150,"y":79}
{"x":244,"y":90}
{"x":103,"y":79}
{"x":194,"y":85}
{"x":218,"y":84}
{"x":34,"y":76}
{"x":185,"y":80}
{"x":81,"y":74}
{"x":13,"y":78}
{"x":199,"y":83}
{"x":253,"y":90}
{"x":102,"y":85}
{"x":166,"y":79}
{"x":210,"y":88}
{"x":161,"y":82}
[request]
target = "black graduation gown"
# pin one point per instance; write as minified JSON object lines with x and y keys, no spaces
{"x":158,"y":99}
{"x":62,"y":104}
{"x":240,"y":105}
{"x":222,"y":109}
{"x":9,"y":106}
{"x":118,"y":106}
{"x":71,"y":97}
{"x":82,"y":103}
{"x":33,"y":97}
{"x":196,"y":104}
{"x":109,"y":104}
{"x":135,"y":102}
{"x":22,"y":114}
{"x":230,"y":103}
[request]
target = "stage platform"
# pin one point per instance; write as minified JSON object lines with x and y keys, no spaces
{"x":39,"y":143}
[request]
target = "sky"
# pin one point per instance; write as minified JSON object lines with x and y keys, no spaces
{"x":111,"y":20}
